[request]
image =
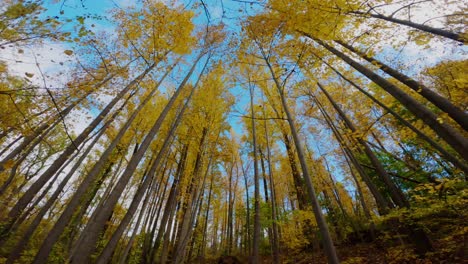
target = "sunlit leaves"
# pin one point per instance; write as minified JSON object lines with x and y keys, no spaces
{"x":156,"y":29}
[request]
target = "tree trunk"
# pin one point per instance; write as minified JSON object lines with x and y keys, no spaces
{"x":457,"y":141}
{"x":327,"y":241}
{"x":397,"y":195}
{"x":21,"y":244}
{"x":171,"y":203}
{"x":442,"y":103}
{"x":188,"y":205}
{"x":452,"y":159}
{"x":205,"y":225}
{"x":90,"y":234}
{"x":381,"y":202}
{"x":45,"y":177}
{"x":67,"y":214}
{"x":257,"y":227}
{"x":297,"y":179}
{"x":110,"y":247}
{"x":422,"y":27}
{"x":276,"y":248}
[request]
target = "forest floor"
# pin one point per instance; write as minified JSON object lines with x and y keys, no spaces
{"x":450,"y":247}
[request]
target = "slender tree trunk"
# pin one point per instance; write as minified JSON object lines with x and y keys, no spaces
{"x":21,"y":244}
{"x":171,"y":203}
{"x":11,"y":144}
{"x":205,"y":225}
{"x":417,"y":234}
{"x":110,"y":247}
{"x":297,"y":179}
{"x":230,"y":210}
{"x":442,"y":103}
{"x":327,"y":241}
{"x":67,"y":214}
{"x":147,"y":249}
{"x":381,"y":202}
{"x":276,"y":248}
{"x":188,"y":205}
{"x":422,"y":27}
{"x":45,"y":177}
{"x":90,"y":234}
{"x":457,"y":141}
{"x":257,"y":227}
{"x":267,"y":198}
{"x":397,"y":195}
{"x":361,"y":198}
{"x":452,"y":159}
{"x":128,"y":247}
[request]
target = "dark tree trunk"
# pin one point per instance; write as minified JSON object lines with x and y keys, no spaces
{"x":457,"y":141}
{"x":452,"y":159}
{"x":397,"y":195}
{"x":422,"y":27}
{"x":442,"y":103}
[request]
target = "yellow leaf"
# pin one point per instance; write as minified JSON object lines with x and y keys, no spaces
{"x":9,"y":164}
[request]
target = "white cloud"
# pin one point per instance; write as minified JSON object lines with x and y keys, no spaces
{"x":78,"y":120}
{"x":48,"y":58}
{"x":124,"y":3}
{"x":55,"y":65}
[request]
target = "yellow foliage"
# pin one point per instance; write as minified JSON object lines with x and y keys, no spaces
{"x":450,"y":79}
{"x":157,"y":28}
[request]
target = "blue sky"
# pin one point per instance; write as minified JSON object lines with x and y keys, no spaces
{"x":412,"y":56}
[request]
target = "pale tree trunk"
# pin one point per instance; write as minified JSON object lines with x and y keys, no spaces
{"x":110,"y":247}
{"x":267,"y":198}
{"x":146,"y":249}
{"x":276,"y":248}
{"x":128,"y":247}
{"x":187,"y":220}
{"x":327,"y":241}
{"x":89,"y":237}
{"x":297,"y":179}
{"x":67,"y":214}
{"x":247,"y":205}
{"x":361,"y":198}
{"x":171,"y":204}
{"x":230,"y":210}
{"x":257,"y":227}
{"x":205,"y":224}
{"x":45,"y":177}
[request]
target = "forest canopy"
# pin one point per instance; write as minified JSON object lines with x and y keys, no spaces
{"x":229,"y":131}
